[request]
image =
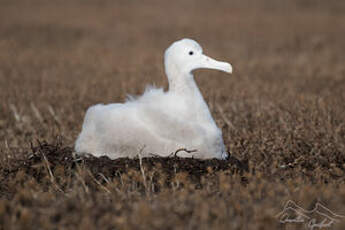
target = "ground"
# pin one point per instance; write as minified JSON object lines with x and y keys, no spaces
{"x":281,"y":112}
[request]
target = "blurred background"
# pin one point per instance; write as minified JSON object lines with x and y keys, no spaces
{"x":59,"y":57}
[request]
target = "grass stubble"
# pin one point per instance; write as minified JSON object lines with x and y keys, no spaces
{"x":281,"y":112}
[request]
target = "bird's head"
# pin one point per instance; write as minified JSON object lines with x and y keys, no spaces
{"x":186,"y":55}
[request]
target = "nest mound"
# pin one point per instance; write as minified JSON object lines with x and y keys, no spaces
{"x":59,"y":162}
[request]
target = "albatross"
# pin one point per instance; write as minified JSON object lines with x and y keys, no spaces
{"x":159,"y":123}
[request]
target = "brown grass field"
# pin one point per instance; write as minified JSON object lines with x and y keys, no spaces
{"x":281,"y":112}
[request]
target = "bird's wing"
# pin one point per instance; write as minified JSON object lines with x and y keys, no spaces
{"x":161,"y":119}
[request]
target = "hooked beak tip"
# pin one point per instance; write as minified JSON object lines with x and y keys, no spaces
{"x":229,"y":69}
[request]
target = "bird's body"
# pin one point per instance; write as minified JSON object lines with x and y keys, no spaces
{"x":158,"y":122}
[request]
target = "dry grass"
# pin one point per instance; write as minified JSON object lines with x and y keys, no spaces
{"x":282,"y":112}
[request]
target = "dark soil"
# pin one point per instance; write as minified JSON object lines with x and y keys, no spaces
{"x":58,"y":156}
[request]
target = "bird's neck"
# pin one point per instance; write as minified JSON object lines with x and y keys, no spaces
{"x":186,"y":87}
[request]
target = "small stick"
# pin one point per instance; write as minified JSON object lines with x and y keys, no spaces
{"x":52,"y":112}
{"x":52,"y":178}
{"x":36,"y":112}
{"x":142,"y":168}
{"x":104,"y":178}
{"x":77,"y":174}
{"x":15,"y":112}
{"x":226,"y":120}
{"x":99,"y":183}
{"x":184,"y":150}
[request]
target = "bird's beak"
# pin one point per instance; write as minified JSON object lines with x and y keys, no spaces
{"x":210,"y":63}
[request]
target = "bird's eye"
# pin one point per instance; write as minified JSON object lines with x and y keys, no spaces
{"x":191,"y":52}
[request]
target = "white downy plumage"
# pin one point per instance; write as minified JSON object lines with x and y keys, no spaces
{"x":158,"y":122}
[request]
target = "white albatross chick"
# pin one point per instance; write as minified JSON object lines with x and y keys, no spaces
{"x":158,"y":122}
